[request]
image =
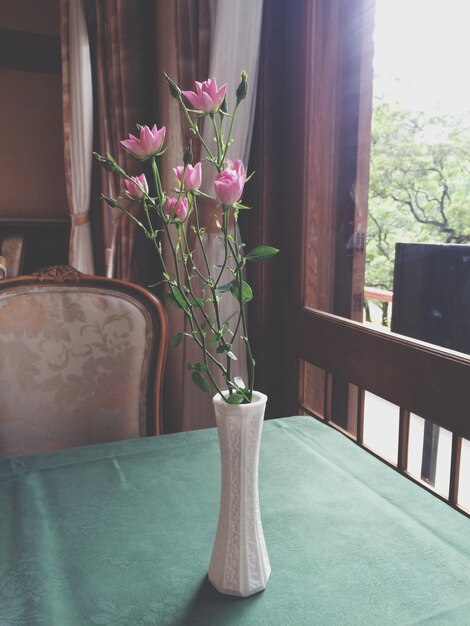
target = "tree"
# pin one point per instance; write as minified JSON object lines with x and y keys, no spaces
{"x":419,"y":186}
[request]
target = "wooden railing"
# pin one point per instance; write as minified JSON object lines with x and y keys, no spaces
{"x":378,"y":294}
{"x":418,"y":377}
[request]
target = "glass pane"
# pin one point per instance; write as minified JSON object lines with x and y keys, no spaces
{"x":464,"y":484}
{"x":312,"y":393}
{"x":381,"y":426}
{"x":429,"y":454}
{"x":418,"y":186}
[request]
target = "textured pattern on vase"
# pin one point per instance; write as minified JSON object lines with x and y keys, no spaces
{"x":239,"y":563}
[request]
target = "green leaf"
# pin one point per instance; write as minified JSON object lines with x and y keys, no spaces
{"x":200,"y":367}
{"x":261,"y":253}
{"x":197,"y":302}
{"x":200,"y":381}
{"x":238,"y":205}
{"x":235,"y":398}
{"x":176,"y":299}
{"x":224,"y":288}
{"x":247,"y":293}
{"x":177,"y":339}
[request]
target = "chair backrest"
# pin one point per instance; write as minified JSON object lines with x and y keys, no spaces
{"x":3,"y":267}
{"x":81,"y":361}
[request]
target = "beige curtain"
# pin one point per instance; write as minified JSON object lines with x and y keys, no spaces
{"x":77,"y":97}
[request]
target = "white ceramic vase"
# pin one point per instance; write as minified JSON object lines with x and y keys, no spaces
{"x":239,"y":564}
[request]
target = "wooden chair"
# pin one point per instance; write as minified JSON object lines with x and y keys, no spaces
{"x":3,"y":267}
{"x":12,"y":251}
{"x":81,"y":361}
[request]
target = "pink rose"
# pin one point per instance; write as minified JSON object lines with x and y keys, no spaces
{"x":148,"y":145}
{"x":133,"y":189}
{"x":178,"y":207}
{"x":207,"y":96}
{"x":192,"y":176}
{"x":229,"y":183}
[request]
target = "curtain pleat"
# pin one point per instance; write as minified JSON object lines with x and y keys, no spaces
{"x":122,"y":104}
{"x":182,"y":51}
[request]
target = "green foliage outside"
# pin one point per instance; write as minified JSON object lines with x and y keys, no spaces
{"x":419,"y":187}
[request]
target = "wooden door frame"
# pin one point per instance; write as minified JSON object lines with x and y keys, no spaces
{"x":309,"y":107}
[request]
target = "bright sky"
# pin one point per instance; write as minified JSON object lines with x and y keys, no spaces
{"x":422,"y":54}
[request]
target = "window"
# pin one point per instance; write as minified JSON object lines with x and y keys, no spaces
{"x":335,"y":366}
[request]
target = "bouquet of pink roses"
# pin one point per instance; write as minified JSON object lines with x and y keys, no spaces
{"x":212,"y":334}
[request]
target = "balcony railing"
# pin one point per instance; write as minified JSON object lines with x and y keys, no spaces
{"x":378,"y":294}
{"x":380,"y":313}
{"x":431,"y":437}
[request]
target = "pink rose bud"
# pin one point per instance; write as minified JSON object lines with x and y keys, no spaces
{"x":177,"y":207}
{"x":229,"y":183}
{"x":192,"y":176}
{"x":148,"y":145}
{"x":207,"y":96}
{"x":133,"y":189}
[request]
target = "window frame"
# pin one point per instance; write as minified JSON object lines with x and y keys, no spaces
{"x":309,"y":182}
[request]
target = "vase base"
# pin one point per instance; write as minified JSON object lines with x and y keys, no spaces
{"x":240,"y":593}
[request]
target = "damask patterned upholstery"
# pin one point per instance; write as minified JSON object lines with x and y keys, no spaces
{"x":77,"y":365}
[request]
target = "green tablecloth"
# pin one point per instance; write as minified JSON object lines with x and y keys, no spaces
{"x":122,"y":534}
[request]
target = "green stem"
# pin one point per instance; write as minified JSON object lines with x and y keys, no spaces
{"x":198,"y":234}
{"x":249,"y":356}
{"x":188,"y":277}
{"x":158,"y":182}
{"x":218,"y":141}
{"x":208,"y":269}
{"x":137,"y":221}
{"x":229,"y":137}
{"x":189,"y":309}
{"x":195,"y":129}
{"x":224,"y":231}
{"x":158,"y":249}
{"x":197,"y":340}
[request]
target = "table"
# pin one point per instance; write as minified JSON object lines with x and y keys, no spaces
{"x":122,"y":534}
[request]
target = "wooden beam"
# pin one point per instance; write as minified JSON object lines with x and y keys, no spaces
{"x":30,"y":52}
